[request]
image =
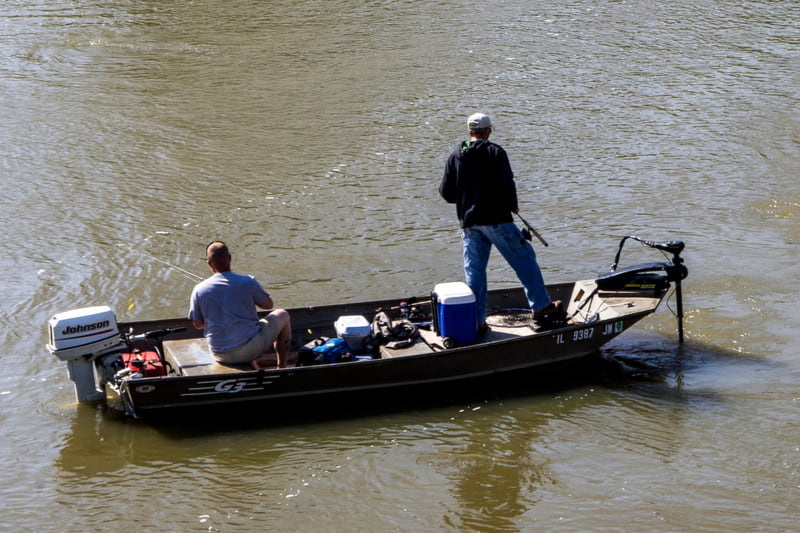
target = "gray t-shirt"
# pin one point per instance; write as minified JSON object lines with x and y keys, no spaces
{"x":226,"y":303}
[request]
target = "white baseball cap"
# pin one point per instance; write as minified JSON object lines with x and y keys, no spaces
{"x":479,"y":121}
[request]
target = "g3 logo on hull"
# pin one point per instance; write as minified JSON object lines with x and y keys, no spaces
{"x":242,"y":385}
{"x":230,"y":386}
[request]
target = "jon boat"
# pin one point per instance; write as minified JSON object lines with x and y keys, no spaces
{"x":162,"y":368}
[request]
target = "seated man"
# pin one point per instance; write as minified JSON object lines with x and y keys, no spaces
{"x":224,"y":307}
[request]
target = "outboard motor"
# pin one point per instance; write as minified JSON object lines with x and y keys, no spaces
{"x":80,"y":337}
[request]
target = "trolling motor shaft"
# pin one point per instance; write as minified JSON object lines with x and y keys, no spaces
{"x":682,"y":272}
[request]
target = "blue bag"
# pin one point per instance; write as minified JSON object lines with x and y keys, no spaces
{"x":333,"y":350}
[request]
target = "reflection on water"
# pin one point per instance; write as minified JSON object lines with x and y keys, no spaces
{"x":482,"y":465}
{"x":446,"y":450}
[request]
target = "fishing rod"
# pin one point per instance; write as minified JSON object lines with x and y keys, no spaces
{"x":176,"y":268}
{"x":190,"y":275}
{"x":434,"y":130}
{"x":526,"y":233}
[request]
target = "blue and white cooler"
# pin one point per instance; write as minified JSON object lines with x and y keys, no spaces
{"x":455,"y":313}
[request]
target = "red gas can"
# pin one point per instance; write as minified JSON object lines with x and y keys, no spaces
{"x":146,"y":363}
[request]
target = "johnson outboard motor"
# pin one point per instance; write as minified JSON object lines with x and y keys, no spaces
{"x":82,"y":337}
{"x":649,"y":276}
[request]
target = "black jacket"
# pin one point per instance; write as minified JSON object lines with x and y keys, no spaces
{"x":479,"y":180}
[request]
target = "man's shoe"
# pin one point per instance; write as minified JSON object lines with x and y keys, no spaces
{"x":554,"y":310}
{"x":551,"y":317}
{"x":483,"y":328}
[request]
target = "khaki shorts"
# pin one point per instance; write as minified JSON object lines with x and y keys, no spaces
{"x":252,"y":349}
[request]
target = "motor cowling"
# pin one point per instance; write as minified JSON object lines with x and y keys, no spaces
{"x":87,"y":332}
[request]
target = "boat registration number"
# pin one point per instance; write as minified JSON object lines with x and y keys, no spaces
{"x":588,"y":333}
{"x":577,"y":335}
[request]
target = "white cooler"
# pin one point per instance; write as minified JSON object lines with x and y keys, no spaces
{"x":354,"y":329}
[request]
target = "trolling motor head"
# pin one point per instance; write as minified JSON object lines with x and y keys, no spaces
{"x":672,"y":247}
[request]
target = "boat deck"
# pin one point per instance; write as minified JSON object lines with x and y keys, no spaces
{"x":431,"y":342}
{"x":191,"y":357}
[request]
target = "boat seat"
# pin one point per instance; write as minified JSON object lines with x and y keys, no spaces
{"x":191,"y":357}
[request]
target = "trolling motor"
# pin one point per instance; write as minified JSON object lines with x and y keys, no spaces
{"x":649,"y":276}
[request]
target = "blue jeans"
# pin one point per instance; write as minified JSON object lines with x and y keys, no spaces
{"x":519,"y":254}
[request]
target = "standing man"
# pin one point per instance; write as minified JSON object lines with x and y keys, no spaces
{"x":479,"y":180}
{"x":224,"y":307}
